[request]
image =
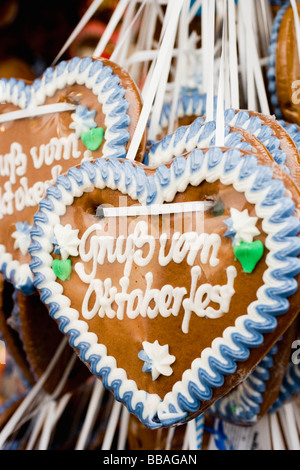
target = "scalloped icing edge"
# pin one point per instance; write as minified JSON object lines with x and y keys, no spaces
{"x":220,"y":359}
{"x":271,"y":72}
{"x":107,"y":89}
{"x":201,"y":134}
{"x":242,"y":405}
{"x":290,"y":386}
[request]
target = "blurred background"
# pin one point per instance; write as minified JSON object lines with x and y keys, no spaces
{"x":33,"y":32}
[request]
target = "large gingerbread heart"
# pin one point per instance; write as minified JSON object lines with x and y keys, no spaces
{"x":166,"y":312}
{"x":284,"y":68}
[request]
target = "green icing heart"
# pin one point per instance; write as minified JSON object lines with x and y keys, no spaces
{"x":249,"y":254}
{"x":62,"y":268}
{"x":93,"y":138}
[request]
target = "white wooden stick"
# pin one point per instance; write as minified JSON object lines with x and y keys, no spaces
{"x":277,"y":440}
{"x":123,"y":431}
{"x":125,"y":31}
{"x":157,"y":73}
{"x":84,"y":20}
{"x":220,"y":122}
{"x":210,"y":90}
{"x":181,"y":64}
{"x":111,"y":427}
{"x":170,"y":437}
{"x":38,"y":424}
{"x":291,"y":428}
{"x":55,"y":410}
{"x":8,"y":429}
{"x":110,"y":28}
{"x":233,"y":58}
{"x":192,"y":435}
{"x":91,"y":415}
{"x":36,"y":111}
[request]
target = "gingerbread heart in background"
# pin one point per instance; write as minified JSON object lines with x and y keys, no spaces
{"x":10,"y":332}
{"x":34,"y":151}
{"x":257,"y":394}
{"x":244,"y":129}
{"x":283,"y":69}
{"x":290,"y":385}
{"x":165,"y":326}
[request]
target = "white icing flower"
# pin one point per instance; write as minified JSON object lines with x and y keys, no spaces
{"x":83,"y":120}
{"x":157,"y":359}
{"x":22,"y":237}
{"x":67,"y":241}
{"x":241,"y":226}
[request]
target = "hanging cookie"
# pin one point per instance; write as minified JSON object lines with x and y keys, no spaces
{"x":165,"y":319}
{"x":260,"y":391}
{"x":79,"y":110}
{"x":284,"y":68}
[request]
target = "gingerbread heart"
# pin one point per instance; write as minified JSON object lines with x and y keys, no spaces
{"x":284,"y":68}
{"x":33,"y":151}
{"x":161,"y":310}
{"x":290,"y":386}
{"x":10,"y":333}
{"x":244,"y":129}
{"x":258,"y":393}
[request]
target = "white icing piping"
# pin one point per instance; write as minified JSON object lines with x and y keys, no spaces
{"x":36,"y":111}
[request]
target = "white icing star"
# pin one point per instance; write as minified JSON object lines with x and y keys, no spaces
{"x":244,"y":226}
{"x":66,"y":240}
{"x":22,"y":237}
{"x":157,"y":359}
{"x":83,"y":120}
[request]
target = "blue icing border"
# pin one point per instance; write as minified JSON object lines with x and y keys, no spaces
{"x":271,"y":73}
{"x":221,"y":358}
{"x":106,"y":86}
{"x":290,"y":386}
{"x":189,"y":104}
{"x":202,"y":134}
{"x":242,"y":405}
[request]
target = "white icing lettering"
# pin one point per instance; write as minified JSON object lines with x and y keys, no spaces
{"x":56,"y":150}
{"x":14,"y":164}
{"x":199,"y":299}
{"x":138,"y":248}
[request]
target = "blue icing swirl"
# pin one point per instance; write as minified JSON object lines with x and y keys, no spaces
{"x":163,"y":175}
{"x":73,"y":63}
{"x":196,"y":160}
{"x":61,"y":67}
{"x":85,"y":62}
{"x":214,"y":156}
{"x":95,"y":68}
{"x":178,"y":166}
